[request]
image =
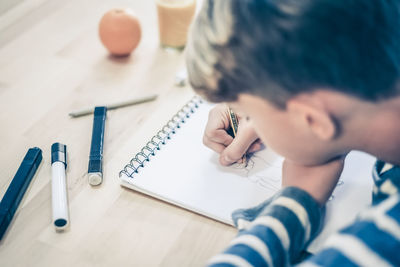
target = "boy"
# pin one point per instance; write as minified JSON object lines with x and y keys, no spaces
{"x":313,"y":80}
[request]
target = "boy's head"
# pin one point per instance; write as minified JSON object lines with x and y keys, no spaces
{"x":317,"y":77}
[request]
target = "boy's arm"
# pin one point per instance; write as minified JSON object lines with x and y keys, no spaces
{"x":372,"y":240}
{"x":277,"y":234}
{"x":278,"y":230}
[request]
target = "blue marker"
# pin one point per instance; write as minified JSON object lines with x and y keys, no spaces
{"x":18,"y":186}
{"x":95,"y":172}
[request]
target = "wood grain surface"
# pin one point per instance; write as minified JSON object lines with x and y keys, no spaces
{"x":52,"y":63}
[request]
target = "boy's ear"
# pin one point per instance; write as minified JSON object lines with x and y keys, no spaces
{"x":313,"y":115}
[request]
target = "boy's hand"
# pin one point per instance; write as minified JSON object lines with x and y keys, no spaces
{"x":318,"y":181}
{"x":231,"y":149}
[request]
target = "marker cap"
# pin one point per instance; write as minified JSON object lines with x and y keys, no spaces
{"x":95,"y":178}
{"x":59,"y":153}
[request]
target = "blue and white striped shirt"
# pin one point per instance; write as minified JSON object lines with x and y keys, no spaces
{"x":276,"y":232}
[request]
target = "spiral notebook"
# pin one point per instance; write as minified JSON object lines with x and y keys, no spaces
{"x":175,"y":166}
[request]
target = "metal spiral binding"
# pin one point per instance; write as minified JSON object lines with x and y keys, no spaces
{"x":158,"y":140}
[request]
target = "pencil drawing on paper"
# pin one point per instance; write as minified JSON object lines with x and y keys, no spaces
{"x":262,"y":168}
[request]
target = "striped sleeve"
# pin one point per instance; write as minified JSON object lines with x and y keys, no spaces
{"x":386,"y":181}
{"x":372,"y":240}
{"x":277,"y":235}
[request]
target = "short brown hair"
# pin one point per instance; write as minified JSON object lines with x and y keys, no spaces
{"x":279,"y":48}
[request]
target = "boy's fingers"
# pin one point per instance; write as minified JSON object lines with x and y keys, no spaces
{"x":213,"y":145}
{"x":215,"y":130}
{"x":237,"y":148}
{"x":217,"y":140}
{"x":217,"y":147}
{"x":220,"y":136}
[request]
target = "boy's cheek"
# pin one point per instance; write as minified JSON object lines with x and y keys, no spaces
{"x":276,"y":138}
{"x":293,"y":146}
{"x":280,"y":132}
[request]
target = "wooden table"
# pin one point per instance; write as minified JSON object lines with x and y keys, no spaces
{"x":52,"y":63}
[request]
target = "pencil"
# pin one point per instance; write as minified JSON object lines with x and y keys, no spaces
{"x":114,"y":106}
{"x":234,"y":122}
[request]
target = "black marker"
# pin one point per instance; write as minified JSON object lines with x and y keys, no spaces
{"x":95,"y":171}
{"x":18,"y":186}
